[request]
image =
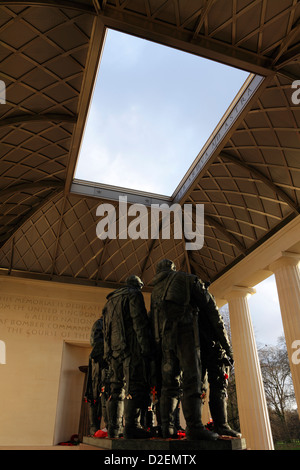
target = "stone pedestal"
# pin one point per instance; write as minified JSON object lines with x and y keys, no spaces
{"x":180,"y":445}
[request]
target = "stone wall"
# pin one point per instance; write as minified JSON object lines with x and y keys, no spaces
{"x":45,"y":329}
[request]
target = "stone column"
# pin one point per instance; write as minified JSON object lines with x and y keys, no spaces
{"x":205,"y":410}
{"x":253,"y":413}
{"x":287,"y":275}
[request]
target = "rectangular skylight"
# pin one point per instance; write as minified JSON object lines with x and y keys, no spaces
{"x":153,"y":109}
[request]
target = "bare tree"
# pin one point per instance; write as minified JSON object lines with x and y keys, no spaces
{"x":277,"y":378}
{"x":278,"y":384}
{"x":278,"y":387}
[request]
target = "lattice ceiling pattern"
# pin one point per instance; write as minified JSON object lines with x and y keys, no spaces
{"x":43,"y":55}
{"x":49,"y":56}
{"x":261,"y":32}
{"x":60,"y":241}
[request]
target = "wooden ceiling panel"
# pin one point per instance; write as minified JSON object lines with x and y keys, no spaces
{"x":49,"y":57}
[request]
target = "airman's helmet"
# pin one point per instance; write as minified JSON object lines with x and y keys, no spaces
{"x":165,"y":265}
{"x":134,"y":281}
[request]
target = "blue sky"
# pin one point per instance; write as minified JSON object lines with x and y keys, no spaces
{"x":265,"y":312}
{"x":152,"y":111}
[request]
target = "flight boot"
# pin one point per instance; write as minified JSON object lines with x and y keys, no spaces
{"x":167,"y":414}
{"x":192,"y":411}
{"x":115,"y":412}
{"x":218,"y":409}
{"x":132,"y":414}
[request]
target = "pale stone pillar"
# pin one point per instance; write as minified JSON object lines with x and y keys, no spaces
{"x":205,"y":410}
{"x":287,"y":275}
{"x":253,"y":413}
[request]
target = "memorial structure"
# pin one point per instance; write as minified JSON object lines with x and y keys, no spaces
{"x":55,"y":273}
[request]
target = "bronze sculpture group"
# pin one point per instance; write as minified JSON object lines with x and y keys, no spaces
{"x":166,"y":356}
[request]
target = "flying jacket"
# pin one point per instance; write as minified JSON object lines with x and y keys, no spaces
{"x":126,"y":325}
{"x":186,"y":293}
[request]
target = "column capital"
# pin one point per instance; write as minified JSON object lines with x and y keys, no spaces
{"x":287,"y":259}
{"x":239,"y":292}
